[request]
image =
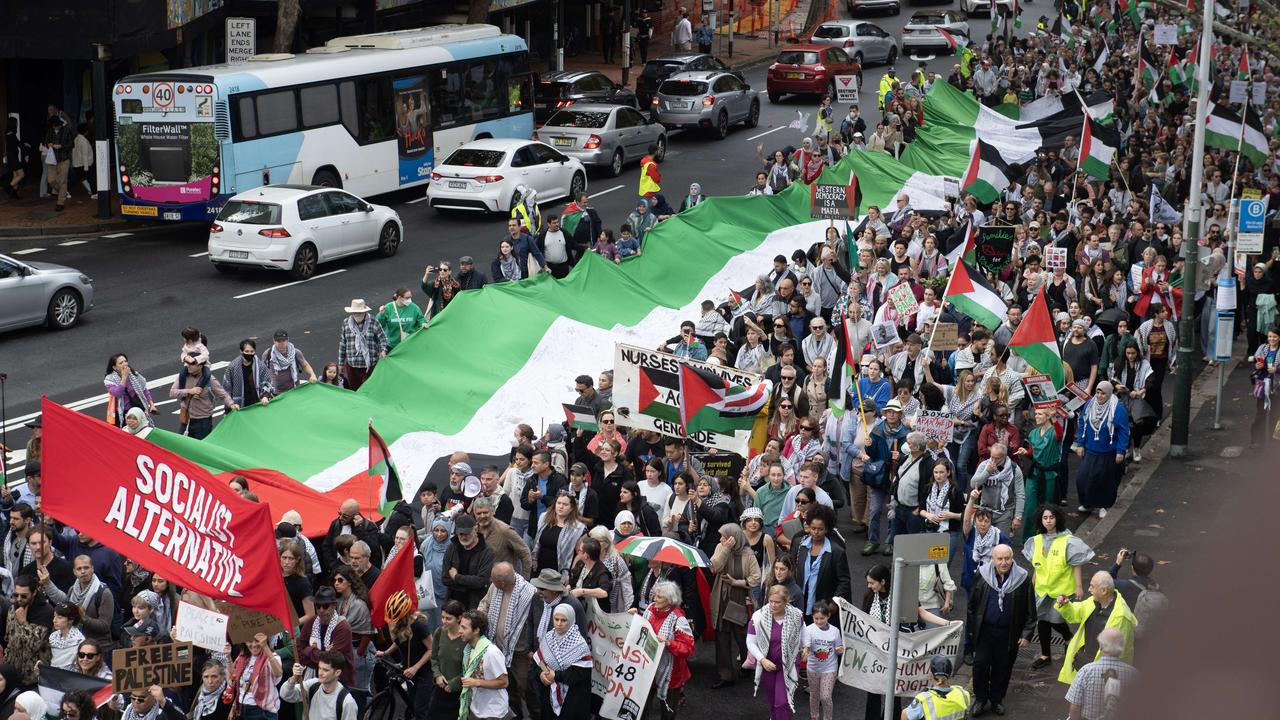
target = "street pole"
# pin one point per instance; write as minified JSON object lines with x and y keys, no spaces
{"x":102,"y":161}
{"x":1181,"y":429}
{"x":626,"y":42}
{"x":558,"y":47}
{"x":731,"y":19}
{"x":895,"y":619}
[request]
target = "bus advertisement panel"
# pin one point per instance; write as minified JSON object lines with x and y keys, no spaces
{"x":413,"y":129}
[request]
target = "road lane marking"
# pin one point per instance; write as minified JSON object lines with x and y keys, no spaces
{"x":766,"y":132}
{"x":199,"y":254}
{"x":416,"y":200}
{"x":71,"y":243}
{"x":606,"y":192}
{"x":89,"y":402}
{"x":291,"y":284}
{"x":113,"y":236}
{"x":28,"y":251}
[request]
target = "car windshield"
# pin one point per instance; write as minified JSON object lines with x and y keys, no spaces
{"x":660,"y":68}
{"x":683,"y":88}
{"x":928,"y":19}
{"x":830,"y":31}
{"x":548,"y":90}
{"x":475,"y":157}
{"x":797,"y":57}
{"x":250,"y":212}
{"x":578,"y":119}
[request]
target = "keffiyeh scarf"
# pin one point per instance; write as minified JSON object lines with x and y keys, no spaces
{"x":1002,"y":480}
{"x":672,"y":623}
{"x":983,"y":545}
{"x":560,"y":651}
{"x":1102,"y":416}
{"x":509,"y":266}
{"x":362,"y":345}
{"x":279,"y":362}
{"x":322,"y":641}
{"x":472,"y":657}
{"x":518,"y":611}
{"x":207,"y":702}
{"x":1017,"y":574}
{"x":792,"y":627}
{"x":83,"y":596}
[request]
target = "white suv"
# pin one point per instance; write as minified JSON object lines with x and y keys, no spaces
{"x":297,"y":227}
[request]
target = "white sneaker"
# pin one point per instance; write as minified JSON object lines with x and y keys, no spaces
{"x":1102,"y":512}
{"x":1082,"y":509}
{"x":1137,"y":455}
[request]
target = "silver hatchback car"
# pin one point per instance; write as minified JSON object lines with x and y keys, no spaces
{"x":708,"y":100}
{"x":608,"y":136}
{"x":35,"y":293}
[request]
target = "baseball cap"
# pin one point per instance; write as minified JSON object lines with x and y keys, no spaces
{"x":466,"y":260}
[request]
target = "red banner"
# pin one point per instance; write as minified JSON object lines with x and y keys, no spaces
{"x":161,"y":510}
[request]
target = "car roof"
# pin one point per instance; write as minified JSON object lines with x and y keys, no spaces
{"x":566,"y":75}
{"x":846,"y":23}
{"x":680,"y":57}
{"x":807,"y":47}
{"x":941,"y":11}
{"x":279,"y":193}
{"x":698,"y":75}
{"x":592,"y":107}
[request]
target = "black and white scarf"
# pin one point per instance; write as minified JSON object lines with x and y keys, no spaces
{"x":675,"y":622}
{"x":560,"y":651}
{"x":362,"y":344}
{"x":207,"y":702}
{"x":521,"y":597}
{"x":983,"y":545}
{"x":131,"y":712}
{"x":1017,"y":574}
{"x":1102,"y":416}
{"x":83,"y":596}
{"x":322,"y":641}
{"x":279,"y":362}
{"x":1002,"y":480}
{"x":938,"y":503}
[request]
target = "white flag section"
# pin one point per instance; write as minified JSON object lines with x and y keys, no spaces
{"x":1161,"y":211}
{"x":624,"y":655}
{"x":865,"y":663}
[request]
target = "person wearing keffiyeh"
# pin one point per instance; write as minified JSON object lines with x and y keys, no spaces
{"x":672,"y":629}
{"x":327,"y":631}
{"x":564,"y":657}
{"x":1001,"y":620}
{"x":507,"y":607}
{"x":1102,"y":439}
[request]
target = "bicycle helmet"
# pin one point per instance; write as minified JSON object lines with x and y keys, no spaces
{"x":399,"y":605}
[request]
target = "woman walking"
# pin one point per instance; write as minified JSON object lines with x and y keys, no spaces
{"x":1266,"y":363}
{"x":1056,"y":557}
{"x":672,"y":629}
{"x":736,"y":572}
{"x":774,"y":641}
{"x":1044,"y":451}
{"x":564,"y":658}
{"x":1102,"y":439}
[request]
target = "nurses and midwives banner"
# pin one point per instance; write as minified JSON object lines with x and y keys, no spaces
{"x":162,"y":511}
{"x":625,"y":654}
{"x":865,"y":663}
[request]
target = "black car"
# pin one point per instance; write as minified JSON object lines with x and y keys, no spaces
{"x":659,"y":69}
{"x":556,"y":90}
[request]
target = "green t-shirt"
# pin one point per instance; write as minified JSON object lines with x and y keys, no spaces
{"x":400,"y":322}
{"x":770,"y":503}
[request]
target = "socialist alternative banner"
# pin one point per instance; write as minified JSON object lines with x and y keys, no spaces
{"x":865,"y":663}
{"x":164,"y":512}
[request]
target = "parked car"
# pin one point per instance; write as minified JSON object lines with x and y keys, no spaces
{"x":608,"y":136}
{"x":860,"y":39}
{"x":561,"y":89}
{"x":893,"y":6}
{"x":40,"y":293}
{"x":809,"y":69}
{"x":973,"y":7}
{"x":659,"y":69}
{"x":921,"y":30}
{"x":297,"y":227}
{"x":711,"y":101}
{"x":483,"y":175}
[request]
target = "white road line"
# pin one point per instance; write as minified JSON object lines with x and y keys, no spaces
{"x":766,"y":132}
{"x":606,"y":192}
{"x":89,"y":402}
{"x":71,"y":243}
{"x":199,"y":254}
{"x":291,"y":284}
{"x":416,"y":200}
{"x":28,"y":251}
{"x":113,"y":236}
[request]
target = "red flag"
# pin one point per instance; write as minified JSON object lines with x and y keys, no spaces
{"x":161,"y":510}
{"x":396,"y":575}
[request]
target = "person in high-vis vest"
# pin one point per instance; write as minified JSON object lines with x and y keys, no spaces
{"x":886,"y":87}
{"x":526,"y":210}
{"x":943,"y":701}
{"x":1056,"y":558}
{"x":650,"y":177}
{"x":1104,"y":604}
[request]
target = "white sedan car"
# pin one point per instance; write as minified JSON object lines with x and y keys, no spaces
{"x":482,"y":175}
{"x":297,"y":227}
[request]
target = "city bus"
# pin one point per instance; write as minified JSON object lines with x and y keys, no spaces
{"x":366,"y":113}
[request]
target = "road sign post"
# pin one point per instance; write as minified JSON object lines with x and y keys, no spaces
{"x":1251,"y":226}
{"x":909,"y":553}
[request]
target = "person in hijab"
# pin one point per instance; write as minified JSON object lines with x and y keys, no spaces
{"x":33,"y":705}
{"x":737,"y":572}
{"x":641,"y":220}
{"x":1259,"y":311}
{"x":659,"y":207}
{"x":622,"y":593}
{"x":1102,"y":439}
{"x":432,"y":552}
{"x":564,"y":657}
{"x":136,"y":422}
{"x":693,"y":198}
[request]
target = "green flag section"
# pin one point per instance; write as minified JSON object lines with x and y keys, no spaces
{"x":581,"y":417}
{"x":1097,"y":149}
{"x":1036,"y":342}
{"x":987,"y":175}
{"x":970,"y":293}
{"x":380,"y":465}
{"x":709,"y":403}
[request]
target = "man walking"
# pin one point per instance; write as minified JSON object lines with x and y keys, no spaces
{"x":60,"y":139}
{"x":682,"y":33}
{"x":286,"y":363}
{"x":1001,"y":620}
{"x":361,"y":344}
{"x":508,"y":601}
{"x":1003,"y":488}
{"x":1104,"y":608}
{"x":505,"y":543}
{"x":198,"y":403}
{"x":327,"y":698}
{"x":1098,"y":686}
{"x":484,"y":671}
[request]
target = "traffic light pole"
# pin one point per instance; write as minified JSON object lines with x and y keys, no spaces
{"x":1181,"y":429}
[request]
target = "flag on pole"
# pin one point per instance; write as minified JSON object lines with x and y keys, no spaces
{"x":970,"y":293}
{"x":581,"y":417}
{"x":966,"y":250}
{"x":1102,"y":57}
{"x":1017,"y":14}
{"x":1223,"y":129}
{"x":380,"y":465}
{"x":1147,"y":65}
{"x":1064,"y":30}
{"x":988,"y":173}
{"x":55,"y":682}
{"x":1130,"y":10}
{"x":708,"y":402}
{"x":851,"y":244}
{"x":1036,"y":342}
{"x":959,"y":49}
{"x":396,"y":575}
{"x":570,"y":219}
{"x":1097,"y":149}
{"x":1242,"y":72}
{"x":1175,"y":69}
{"x":1160,"y":211}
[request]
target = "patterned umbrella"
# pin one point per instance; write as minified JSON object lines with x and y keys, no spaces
{"x":664,"y":549}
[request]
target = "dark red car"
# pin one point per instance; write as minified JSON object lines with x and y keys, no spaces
{"x":809,"y":69}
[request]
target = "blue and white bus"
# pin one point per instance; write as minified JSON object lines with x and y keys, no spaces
{"x":368,"y":113}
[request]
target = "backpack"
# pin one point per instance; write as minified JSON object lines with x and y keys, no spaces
{"x":342,"y":698}
{"x":1150,"y":605}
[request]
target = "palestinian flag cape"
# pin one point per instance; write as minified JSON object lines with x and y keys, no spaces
{"x":987,"y":175}
{"x":1097,"y":149}
{"x":970,"y":293}
{"x":570,"y":219}
{"x":380,"y":465}
{"x":1036,"y":342}
{"x":581,"y":417}
{"x":708,"y":403}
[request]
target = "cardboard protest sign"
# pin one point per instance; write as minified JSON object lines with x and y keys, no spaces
{"x":865,"y":663}
{"x":136,"y":669}
{"x":202,"y":628}
{"x":625,"y":655}
{"x":944,"y":337}
{"x":1040,"y":390}
{"x":935,"y":424}
{"x":243,"y":623}
{"x":903,"y":299}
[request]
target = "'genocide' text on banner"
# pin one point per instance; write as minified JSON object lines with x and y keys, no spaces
{"x":865,"y":663}
{"x":161,"y":510}
{"x":625,"y":655}
{"x":646,"y":393}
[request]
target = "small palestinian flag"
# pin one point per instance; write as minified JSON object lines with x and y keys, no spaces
{"x":1129,"y":10}
{"x":581,"y":417}
{"x":54,"y":683}
{"x":380,"y":465}
{"x":708,"y":403}
{"x":1064,"y":31}
{"x":970,"y":293}
{"x":1097,"y":149}
{"x":1242,"y":72}
{"x":966,"y":250}
{"x":1176,"y":69}
{"x":1036,"y":342}
{"x":1147,"y":65}
{"x":988,"y":173}
{"x":570,"y":219}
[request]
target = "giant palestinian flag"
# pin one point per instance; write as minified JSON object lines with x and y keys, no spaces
{"x":309,"y":449}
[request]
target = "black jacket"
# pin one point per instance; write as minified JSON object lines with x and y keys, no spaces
{"x":366,"y":531}
{"x":833,"y":571}
{"x":598,"y":577}
{"x":474,"y":566}
{"x":555,"y":482}
{"x":1022,"y":622}
{"x":473,"y":280}
{"x":401,"y":515}
{"x":923,"y":479}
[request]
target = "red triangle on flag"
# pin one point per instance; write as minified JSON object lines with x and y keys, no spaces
{"x":697,"y":392}
{"x":648,"y":393}
{"x":961,"y":283}
{"x":1036,"y":325}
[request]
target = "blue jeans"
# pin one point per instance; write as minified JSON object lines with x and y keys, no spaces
{"x":962,"y":454}
{"x":253,"y":712}
{"x":875,"y":511}
{"x":199,"y":428}
{"x":522,"y":529}
{"x":905,"y":522}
